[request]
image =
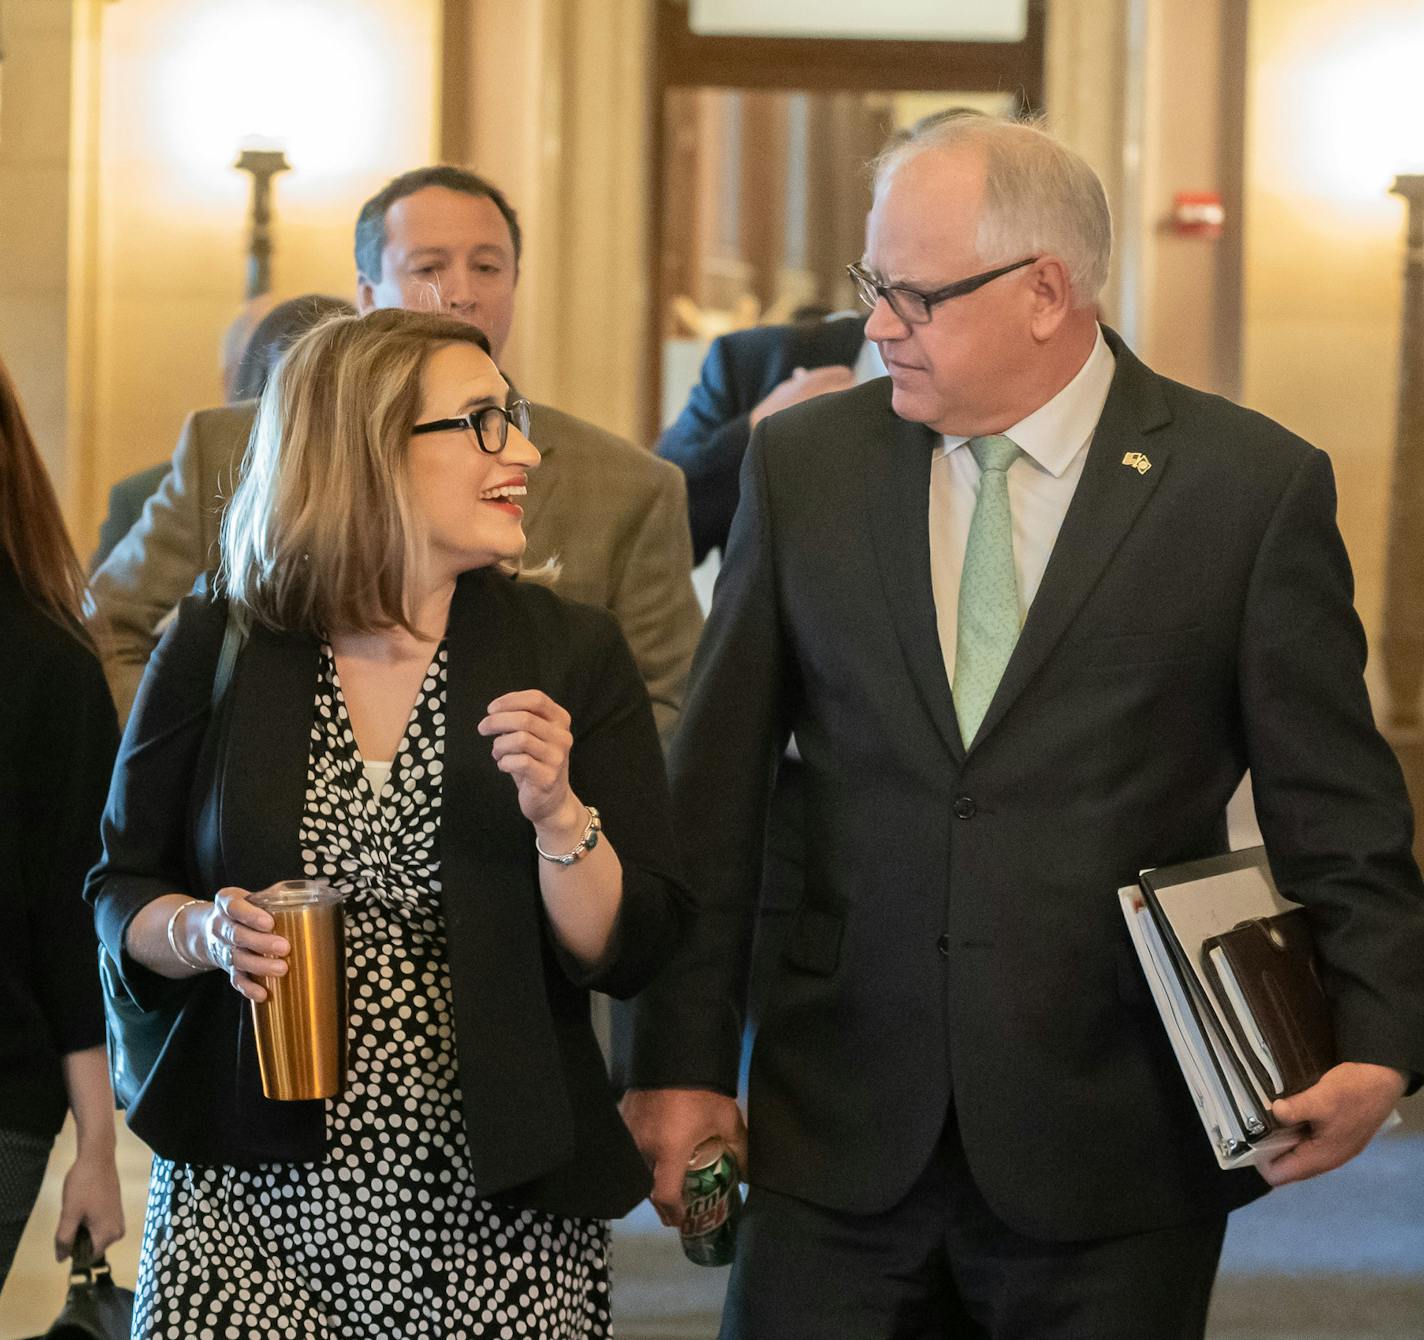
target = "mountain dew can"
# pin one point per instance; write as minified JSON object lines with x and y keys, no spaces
{"x":712,"y":1201}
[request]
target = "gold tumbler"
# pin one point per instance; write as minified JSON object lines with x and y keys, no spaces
{"x":301,"y":1026}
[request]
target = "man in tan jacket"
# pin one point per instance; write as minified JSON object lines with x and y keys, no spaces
{"x":615,"y":516}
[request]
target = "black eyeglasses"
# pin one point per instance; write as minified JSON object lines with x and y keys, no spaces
{"x":912,"y":305}
{"x":490,"y":424}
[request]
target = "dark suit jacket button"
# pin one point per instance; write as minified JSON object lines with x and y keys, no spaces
{"x":964,"y":807}
{"x":942,"y":944}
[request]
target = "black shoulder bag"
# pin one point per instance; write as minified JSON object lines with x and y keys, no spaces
{"x":136,"y":1035}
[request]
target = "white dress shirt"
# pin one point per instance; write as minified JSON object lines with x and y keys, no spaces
{"x":1054,"y":440}
{"x":868,"y":364}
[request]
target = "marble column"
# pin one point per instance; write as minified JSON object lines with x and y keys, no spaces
{"x":1402,"y":643}
{"x":557,"y":109}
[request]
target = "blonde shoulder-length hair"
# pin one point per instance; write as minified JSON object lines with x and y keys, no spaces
{"x":321,"y":535}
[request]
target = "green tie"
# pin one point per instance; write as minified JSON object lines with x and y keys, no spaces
{"x":988,"y":592}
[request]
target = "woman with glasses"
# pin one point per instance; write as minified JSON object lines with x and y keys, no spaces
{"x":472,"y":762}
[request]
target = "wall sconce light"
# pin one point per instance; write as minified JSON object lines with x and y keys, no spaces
{"x":263,"y":163}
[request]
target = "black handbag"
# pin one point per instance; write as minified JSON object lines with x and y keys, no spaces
{"x":135,"y":1035}
{"x":96,"y":1308}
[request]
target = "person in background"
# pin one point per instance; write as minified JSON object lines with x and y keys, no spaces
{"x":275,"y":334}
{"x":57,"y":741}
{"x":236,"y":337}
{"x":752,"y":373}
{"x":279,"y":325}
{"x":746,"y":376}
{"x":472,"y":761}
{"x":443,"y":239}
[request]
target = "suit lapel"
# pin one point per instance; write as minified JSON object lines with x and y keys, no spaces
{"x":897,"y":490}
{"x":484,"y":663}
{"x":268,"y":743}
{"x":489,"y":894}
{"x":486,"y":854}
{"x":1105,"y":504}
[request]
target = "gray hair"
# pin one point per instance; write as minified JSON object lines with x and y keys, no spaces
{"x":1040,"y":198}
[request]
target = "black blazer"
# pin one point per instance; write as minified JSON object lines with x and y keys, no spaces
{"x":960,"y":936}
{"x":709,"y":438}
{"x":57,"y":740}
{"x":198,"y":805}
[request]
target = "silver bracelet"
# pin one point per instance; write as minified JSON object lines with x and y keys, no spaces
{"x":173,"y":939}
{"x":586,"y":843}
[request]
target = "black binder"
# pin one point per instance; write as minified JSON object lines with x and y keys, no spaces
{"x":1232,"y":969}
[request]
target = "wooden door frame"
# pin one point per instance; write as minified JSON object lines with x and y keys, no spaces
{"x":682,"y":59}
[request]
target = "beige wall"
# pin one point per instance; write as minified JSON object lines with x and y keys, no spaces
{"x":1336,"y":108}
{"x":138,"y":197}
{"x":350,"y":91}
{"x":1085,"y":87}
{"x":1190,"y":141}
{"x":1148,"y":92}
{"x":558,"y":114}
{"x":1295,"y":311}
{"x":131,"y":198}
{"x":34,"y":213}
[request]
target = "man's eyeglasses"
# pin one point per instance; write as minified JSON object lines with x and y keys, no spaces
{"x":490,"y":425}
{"x":912,"y":305}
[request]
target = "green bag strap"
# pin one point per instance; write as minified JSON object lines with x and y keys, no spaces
{"x":234,"y":635}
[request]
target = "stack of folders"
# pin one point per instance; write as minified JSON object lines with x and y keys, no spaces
{"x":1231,"y":966}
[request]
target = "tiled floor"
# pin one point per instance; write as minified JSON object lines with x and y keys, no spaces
{"x":1340,"y":1258}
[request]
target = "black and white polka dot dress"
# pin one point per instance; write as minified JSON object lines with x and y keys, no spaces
{"x":387,"y":1237}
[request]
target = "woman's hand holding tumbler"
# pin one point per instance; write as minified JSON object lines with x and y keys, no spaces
{"x":236,"y":938}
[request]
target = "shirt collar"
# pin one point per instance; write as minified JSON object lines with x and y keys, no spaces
{"x":868,"y":363}
{"x":1054,"y":433}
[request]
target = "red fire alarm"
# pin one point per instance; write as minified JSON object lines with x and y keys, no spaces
{"x":1197,"y":214}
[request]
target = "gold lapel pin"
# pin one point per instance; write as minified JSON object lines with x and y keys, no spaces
{"x":1137,"y":461}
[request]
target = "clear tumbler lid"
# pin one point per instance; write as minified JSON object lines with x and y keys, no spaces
{"x":295,"y":893}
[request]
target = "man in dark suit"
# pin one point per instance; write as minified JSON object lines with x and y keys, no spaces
{"x":746,"y":376}
{"x":1030,"y":610}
